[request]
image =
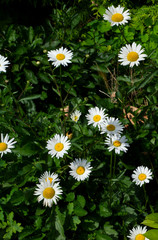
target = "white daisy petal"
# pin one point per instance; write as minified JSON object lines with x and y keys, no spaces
{"x":75,"y":115}
{"x":61,"y":56}
{"x":111,"y":126}
{"x":116,"y":16}
{"x":117,"y":143}
{"x":137,"y":233}
{"x":6,"y":144}
{"x":47,"y":175}
{"x":96,"y":116}
{"x":49,"y":192}
{"x":58,"y":145}
{"x":80,"y":169}
{"x":131,"y":55}
{"x":3,"y":63}
{"x":141,"y":175}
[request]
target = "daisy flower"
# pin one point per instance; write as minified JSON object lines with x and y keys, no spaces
{"x":48,"y":192}
{"x":137,"y":233}
{"x":141,"y":175}
{"x":58,"y":145}
{"x":117,"y":143}
{"x":75,"y":115}
{"x":111,"y":126}
{"x":80,"y":169}
{"x":116,"y":16}
{"x":47,"y":175}
{"x":96,"y":116}
{"x":3,"y":63}
{"x":60,"y":56}
{"x":131,"y":55}
{"x":6,"y":144}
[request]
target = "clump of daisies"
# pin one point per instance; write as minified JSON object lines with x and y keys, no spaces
{"x":6,"y":145}
{"x":116,"y":16}
{"x":58,"y":145}
{"x":142,"y":175}
{"x":75,"y":115}
{"x":3,"y":63}
{"x":131,"y":55}
{"x":96,"y":116}
{"x":114,"y":128}
{"x":137,"y":233}
{"x":80,"y":169}
{"x":61,"y":56}
{"x":48,"y":189}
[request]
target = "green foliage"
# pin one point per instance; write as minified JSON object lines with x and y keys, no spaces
{"x":33,"y":95}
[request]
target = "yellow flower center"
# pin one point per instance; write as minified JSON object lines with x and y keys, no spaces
{"x":110,"y":127}
{"x":117,"y":17}
{"x":3,"y":146}
{"x":59,"y":146}
{"x":75,"y":118}
{"x":60,"y":56}
{"x":96,"y":118}
{"x":142,"y":176}
{"x":80,"y":170}
{"x":132,"y":56}
{"x":117,"y":143}
{"x":48,"y":193}
{"x":50,"y":179}
{"x":139,"y":237}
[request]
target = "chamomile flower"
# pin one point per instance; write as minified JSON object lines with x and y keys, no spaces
{"x":96,"y":116}
{"x":131,"y":55}
{"x":111,"y":126}
{"x":116,"y":16}
{"x":58,"y":145}
{"x":80,"y":169}
{"x":141,"y":175}
{"x":117,"y":143}
{"x":75,"y":115}
{"x":6,"y":144}
{"x":49,"y":192}
{"x":137,"y":233}
{"x":47,"y":175}
{"x":3,"y":63}
{"x":61,"y":56}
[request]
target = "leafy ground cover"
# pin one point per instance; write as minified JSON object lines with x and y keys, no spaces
{"x":37,"y":101}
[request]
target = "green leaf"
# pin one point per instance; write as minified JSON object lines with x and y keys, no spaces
{"x":31,"y":34}
{"x":150,"y":223}
{"x":80,"y":211}
{"x":104,"y":210}
{"x":151,"y":234}
{"x":151,"y":220}
{"x":30,"y":76}
{"x":30,"y":97}
{"x":81,"y":200}
{"x":102,"y":236}
{"x":70,"y":197}
{"x":59,"y":222}
{"x":70,"y":208}
{"x":147,"y":79}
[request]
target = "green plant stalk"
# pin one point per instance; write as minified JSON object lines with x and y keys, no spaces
{"x":122,"y":33}
{"x":114,"y":164}
{"x":145,"y":196}
{"x":62,"y":104}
